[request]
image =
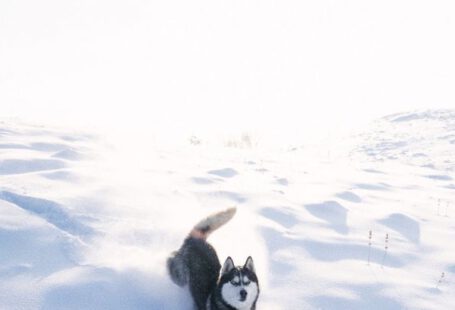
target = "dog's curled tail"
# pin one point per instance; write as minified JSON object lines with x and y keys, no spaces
{"x":177,"y":263}
{"x":211,"y":223}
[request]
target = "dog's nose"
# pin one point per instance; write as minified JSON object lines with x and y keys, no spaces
{"x":243,"y":294}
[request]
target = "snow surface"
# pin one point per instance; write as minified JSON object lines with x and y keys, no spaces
{"x":88,"y":224}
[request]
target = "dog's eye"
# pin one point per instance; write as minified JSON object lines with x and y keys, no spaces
{"x":235,"y":282}
{"x":246,"y":281}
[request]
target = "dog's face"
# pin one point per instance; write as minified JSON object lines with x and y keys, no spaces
{"x":239,"y":285}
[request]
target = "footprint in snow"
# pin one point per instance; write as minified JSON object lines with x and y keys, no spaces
{"x":224,"y":173}
{"x":373,"y":187}
{"x":349,"y":196}
{"x":202,"y":181}
{"x":439,"y":177}
{"x":282,"y":181}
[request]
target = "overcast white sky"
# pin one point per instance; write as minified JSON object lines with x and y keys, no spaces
{"x":194,"y":66}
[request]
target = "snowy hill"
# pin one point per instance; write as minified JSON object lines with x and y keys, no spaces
{"x":424,"y":139}
{"x":87,"y":224}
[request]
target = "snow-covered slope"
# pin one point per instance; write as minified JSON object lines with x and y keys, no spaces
{"x":424,"y":139}
{"x":86,"y":224}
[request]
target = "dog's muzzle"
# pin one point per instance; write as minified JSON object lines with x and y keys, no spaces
{"x":243,"y":295}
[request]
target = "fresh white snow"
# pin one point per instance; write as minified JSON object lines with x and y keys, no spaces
{"x":86,"y":222}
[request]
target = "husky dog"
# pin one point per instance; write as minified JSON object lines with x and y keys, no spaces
{"x":196,"y":264}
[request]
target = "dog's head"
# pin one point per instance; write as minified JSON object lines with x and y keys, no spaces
{"x":239,"y":286}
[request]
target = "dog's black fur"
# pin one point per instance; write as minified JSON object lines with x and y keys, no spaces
{"x":196,"y":264}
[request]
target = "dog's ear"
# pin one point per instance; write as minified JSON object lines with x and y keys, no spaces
{"x":249,"y":264}
{"x":228,"y":265}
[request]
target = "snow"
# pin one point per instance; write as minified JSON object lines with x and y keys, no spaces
{"x":86,"y":222}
